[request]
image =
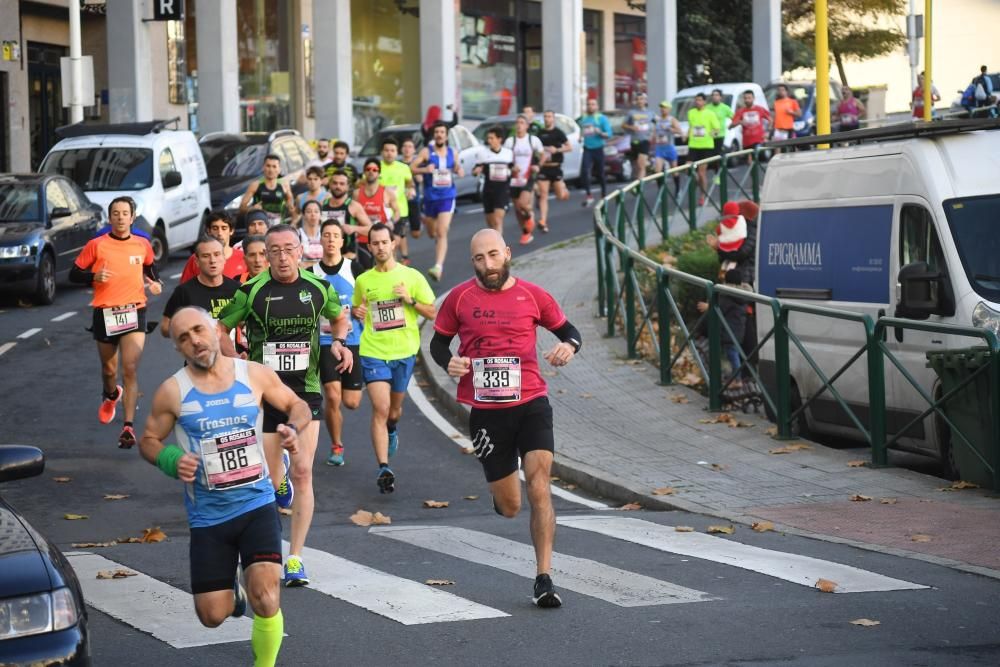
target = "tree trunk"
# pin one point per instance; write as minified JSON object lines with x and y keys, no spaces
{"x":837,"y":58}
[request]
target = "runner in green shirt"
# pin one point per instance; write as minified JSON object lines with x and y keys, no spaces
{"x":281,"y":308}
{"x":396,"y":174}
{"x":703,"y":124}
{"x":388,"y":298}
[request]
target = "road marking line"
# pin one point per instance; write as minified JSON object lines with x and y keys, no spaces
{"x":175,"y":276}
{"x":6,"y":347}
{"x":433,"y":416}
{"x":402,"y":600}
{"x":585,"y":576}
{"x":149,"y":605}
{"x":64,"y":316}
{"x":29,"y":333}
{"x":795,"y":568}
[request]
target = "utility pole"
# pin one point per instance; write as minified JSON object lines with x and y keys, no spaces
{"x":822,"y":71}
{"x":928,"y":63}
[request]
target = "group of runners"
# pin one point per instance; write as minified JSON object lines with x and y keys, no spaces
{"x":277,"y":335}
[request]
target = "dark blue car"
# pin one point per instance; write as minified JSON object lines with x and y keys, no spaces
{"x":43,"y":618}
{"x":45,"y":220}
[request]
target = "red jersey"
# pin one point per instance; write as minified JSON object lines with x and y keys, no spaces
{"x":234,"y":268}
{"x":752,"y":121}
{"x":375,"y":205}
{"x":497,"y":330}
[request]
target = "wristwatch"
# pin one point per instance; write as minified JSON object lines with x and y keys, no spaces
{"x":342,"y":341}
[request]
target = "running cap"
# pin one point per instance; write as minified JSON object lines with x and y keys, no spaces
{"x":666,"y":105}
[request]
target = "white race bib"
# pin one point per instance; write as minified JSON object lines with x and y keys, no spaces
{"x":121,"y":319}
{"x":642,"y":127}
{"x":233,"y":459}
{"x":388,"y":315}
{"x":780,"y":135}
{"x":698,"y":131}
{"x":441,"y":178}
{"x":287,"y":357}
{"x":499,"y":172}
{"x":497,"y":379}
{"x":751,"y":118}
{"x":589,"y":130}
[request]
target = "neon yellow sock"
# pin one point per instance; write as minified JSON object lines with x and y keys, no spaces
{"x":266,"y":639}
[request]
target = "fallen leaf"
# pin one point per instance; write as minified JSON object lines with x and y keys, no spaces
{"x":920,"y":538}
{"x":550,"y":374}
{"x":788,"y":449}
{"x":678,"y":398}
{"x":962,"y":484}
{"x":423,"y":385}
{"x":62,"y":480}
{"x":826,"y":585}
{"x":664,"y":491}
{"x":439,"y":582}
{"x":858,"y":498}
{"x":129,"y":540}
{"x":762,"y":526}
{"x":856,"y":464}
{"x":92,"y":545}
{"x":115,"y":496}
{"x":435,"y":504}
{"x":888,"y":501}
{"x":586,"y":395}
{"x":471,"y":497}
{"x":865,"y":622}
{"x":456,"y":436}
{"x":151,"y":535}
{"x":120,"y":573}
{"x":468,"y":450}
{"x":725,"y":530}
{"x":683,"y":529}
{"x":718,"y":467}
{"x":634,"y":362}
{"x":569,"y":487}
{"x":630,"y":506}
{"x":366,"y":518}
{"x":553,"y":478}
{"x":773,"y":430}
{"x":561,"y":391}
{"x":75,"y":517}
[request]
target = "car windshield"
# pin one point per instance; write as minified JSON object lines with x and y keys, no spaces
{"x":484,"y":127}
{"x":19,"y":203}
{"x":616,"y":120}
{"x":227,"y":159}
{"x":681,"y":107}
{"x":108,"y":168}
{"x":373,"y":147}
{"x":974,"y":222}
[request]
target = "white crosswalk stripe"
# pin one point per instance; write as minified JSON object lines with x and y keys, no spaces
{"x":150,"y":605}
{"x":791,"y":567}
{"x":402,"y":600}
{"x":620,"y":587}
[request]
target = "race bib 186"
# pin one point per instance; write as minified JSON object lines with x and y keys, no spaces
{"x":497,"y":379}
{"x":287,"y":357}
{"x":121,"y":319}
{"x":233,"y":459}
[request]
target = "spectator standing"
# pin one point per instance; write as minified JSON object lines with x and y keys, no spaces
{"x":596,"y":129}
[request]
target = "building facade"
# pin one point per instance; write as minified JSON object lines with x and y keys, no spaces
{"x":339,"y":68}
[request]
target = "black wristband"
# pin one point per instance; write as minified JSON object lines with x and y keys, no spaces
{"x":342,"y":341}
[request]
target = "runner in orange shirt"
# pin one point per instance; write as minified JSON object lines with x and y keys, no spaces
{"x":786,"y":112}
{"x":120,"y":267}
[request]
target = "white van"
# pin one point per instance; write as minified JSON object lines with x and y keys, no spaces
{"x":732,"y":95}
{"x":162,"y":170}
{"x":903,"y":227}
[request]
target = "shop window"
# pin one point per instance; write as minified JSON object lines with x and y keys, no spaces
{"x":630,"y":59}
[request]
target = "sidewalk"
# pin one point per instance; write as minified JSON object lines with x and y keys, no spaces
{"x":619,"y":434}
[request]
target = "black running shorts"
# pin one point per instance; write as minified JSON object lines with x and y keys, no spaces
{"x":496,"y":198}
{"x":552,"y":173}
{"x":216,"y":551}
{"x":328,"y":368}
{"x":500,"y":436}
{"x":274,"y":416}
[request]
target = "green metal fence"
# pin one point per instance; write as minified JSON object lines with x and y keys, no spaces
{"x":623,"y":224}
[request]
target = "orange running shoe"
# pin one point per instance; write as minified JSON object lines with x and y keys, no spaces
{"x":127,"y":438}
{"x":106,"y":413}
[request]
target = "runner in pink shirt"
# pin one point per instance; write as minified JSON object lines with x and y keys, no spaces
{"x":496,"y":317}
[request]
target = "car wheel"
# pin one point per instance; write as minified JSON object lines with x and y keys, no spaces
{"x":160,"y":248}
{"x":45,"y":286}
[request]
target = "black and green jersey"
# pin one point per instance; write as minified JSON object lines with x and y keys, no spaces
{"x":282,"y":324}
{"x":347,"y":169}
{"x":271,"y":200}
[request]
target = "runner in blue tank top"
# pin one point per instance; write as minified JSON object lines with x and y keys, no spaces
{"x":439,"y":167}
{"x":338,"y":388}
{"x":213,"y":406}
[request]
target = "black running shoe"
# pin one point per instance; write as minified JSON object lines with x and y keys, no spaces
{"x":545,"y":593}
{"x":386,"y":480}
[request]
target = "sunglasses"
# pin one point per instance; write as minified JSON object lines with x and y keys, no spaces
{"x":373,"y":169}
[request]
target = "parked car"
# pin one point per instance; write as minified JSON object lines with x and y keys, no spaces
{"x":805,"y":93}
{"x":43,"y":618}
{"x":460,"y":139}
{"x":234,"y":161}
{"x":732,"y":95}
{"x":45,"y":220}
{"x":618,"y":149}
{"x":571,"y":160}
{"x":161,"y":169}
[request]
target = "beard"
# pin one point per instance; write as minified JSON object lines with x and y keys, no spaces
{"x":207,"y":364}
{"x":496,"y":280}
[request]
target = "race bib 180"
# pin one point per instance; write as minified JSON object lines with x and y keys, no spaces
{"x":388,"y":315}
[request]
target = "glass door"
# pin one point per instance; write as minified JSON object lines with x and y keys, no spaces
{"x":45,"y":109}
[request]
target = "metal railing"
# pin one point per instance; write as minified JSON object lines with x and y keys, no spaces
{"x":639,"y":297}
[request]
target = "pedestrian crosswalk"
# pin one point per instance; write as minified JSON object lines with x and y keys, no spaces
{"x":167,"y":612}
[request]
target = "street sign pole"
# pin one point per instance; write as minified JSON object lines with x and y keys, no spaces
{"x":928,"y":62}
{"x":75,"y":55}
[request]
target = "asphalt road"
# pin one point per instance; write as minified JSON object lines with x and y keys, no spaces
{"x":631,"y":604}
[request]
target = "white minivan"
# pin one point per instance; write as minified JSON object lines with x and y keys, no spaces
{"x":732,"y":95}
{"x":162,"y":170}
{"x":903,"y":226}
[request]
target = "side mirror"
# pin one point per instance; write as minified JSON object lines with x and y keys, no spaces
{"x":923,"y":292}
{"x":20,"y":461}
{"x":171,"y":179}
{"x":60,"y":212}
